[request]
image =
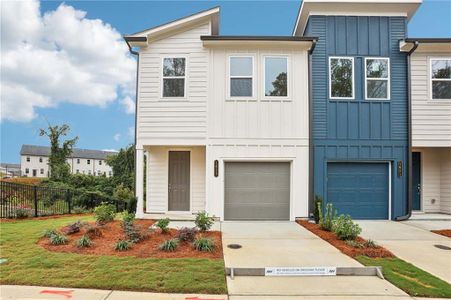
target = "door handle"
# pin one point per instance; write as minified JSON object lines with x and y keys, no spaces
{"x":419,"y":188}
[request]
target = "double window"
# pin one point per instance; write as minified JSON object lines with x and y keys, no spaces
{"x":441,"y":78}
{"x":174,"y":77}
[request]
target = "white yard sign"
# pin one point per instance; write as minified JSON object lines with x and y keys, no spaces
{"x":300,"y":271}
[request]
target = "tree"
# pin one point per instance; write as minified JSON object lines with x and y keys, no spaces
{"x":59,"y":168}
{"x":280,"y":85}
{"x":123,"y":165}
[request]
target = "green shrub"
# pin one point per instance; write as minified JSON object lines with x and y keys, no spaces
{"x":354,"y":244}
{"x":345,"y":228}
{"x":203,"y":221}
{"x":204,"y":244}
{"x":72,"y":228}
{"x":326,"y":221}
{"x":317,"y":213}
{"x":169,"y":245}
{"x":133,"y":232}
{"x":84,"y":242}
{"x":48,"y":233}
{"x":163,"y":225}
{"x":186,"y":234}
{"x":127,"y":218}
{"x":22,"y":213}
{"x":93,"y":231}
{"x":80,"y":210}
{"x":122,"y":245}
{"x":58,"y":239}
{"x":105,"y":213}
{"x":370,"y":244}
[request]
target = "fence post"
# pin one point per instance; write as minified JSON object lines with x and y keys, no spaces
{"x":68,"y":199}
{"x":35,"y":190}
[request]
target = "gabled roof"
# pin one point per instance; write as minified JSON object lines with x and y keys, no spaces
{"x":308,"y":8}
{"x":140,"y":38}
{"x":34,"y":150}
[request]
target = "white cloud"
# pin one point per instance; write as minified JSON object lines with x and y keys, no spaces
{"x":110,"y":150}
{"x":60,"y":56}
{"x":128,"y":104}
{"x":117,"y":137}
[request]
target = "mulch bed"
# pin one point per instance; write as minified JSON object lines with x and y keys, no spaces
{"x":332,"y":239}
{"x":6,"y":220}
{"x":444,"y":232}
{"x":149,"y":247}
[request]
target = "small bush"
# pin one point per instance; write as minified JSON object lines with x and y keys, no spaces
{"x":317,"y":212}
{"x":370,"y":244}
{"x":80,"y":210}
{"x":186,"y":234}
{"x":122,"y":245}
{"x":58,"y":239}
{"x":133,"y":232}
{"x":73,"y":228}
{"x":22,"y":213}
{"x":203,"y":221}
{"x":326,"y":221}
{"x":163,"y":225}
{"x":204,"y":244}
{"x":169,"y":245}
{"x":345,"y":228}
{"x":48,"y":233}
{"x":93,"y":231}
{"x":105,"y":213}
{"x":84,"y":242}
{"x":127,"y":218}
{"x":354,"y":244}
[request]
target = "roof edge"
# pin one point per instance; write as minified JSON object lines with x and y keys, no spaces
{"x":288,"y":38}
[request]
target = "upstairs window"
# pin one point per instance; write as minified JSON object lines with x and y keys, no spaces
{"x":276,"y":76}
{"x":78,"y":161}
{"x":341,"y":72}
{"x":100,"y":162}
{"x":88,"y":161}
{"x":241,"y":70}
{"x":174,"y":77}
{"x":40,"y":159}
{"x":441,"y":78}
{"x":377,"y":78}
{"x":28,"y":159}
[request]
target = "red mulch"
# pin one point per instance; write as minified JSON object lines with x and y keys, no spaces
{"x":24,"y":180}
{"x":444,"y":232}
{"x":112,"y":232}
{"x":332,"y":239}
{"x":44,"y":218}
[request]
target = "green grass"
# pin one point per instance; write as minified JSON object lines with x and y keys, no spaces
{"x":29,"y":264}
{"x":409,"y":278}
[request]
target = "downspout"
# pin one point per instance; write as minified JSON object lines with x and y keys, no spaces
{"x":310,"y":147}
{"x":409,"y":103}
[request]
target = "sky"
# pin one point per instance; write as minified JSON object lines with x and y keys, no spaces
{"x":65,"y":62}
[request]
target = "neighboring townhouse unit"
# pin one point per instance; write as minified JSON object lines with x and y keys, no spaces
{"x":359,"y":104}
{"x":34,"y":161}
{"x":430,"y":79}
{"x":9,"y":170}
{"x":222,"y":120}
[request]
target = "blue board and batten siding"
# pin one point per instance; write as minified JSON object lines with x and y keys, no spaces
{"x":359,"y":130}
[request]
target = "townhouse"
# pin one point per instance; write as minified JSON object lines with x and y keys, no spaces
{"x":254,"y":127}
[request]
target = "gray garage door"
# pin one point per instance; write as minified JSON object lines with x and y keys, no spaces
{"x":257,"y":191}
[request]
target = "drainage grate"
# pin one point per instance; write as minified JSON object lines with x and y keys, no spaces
{"x":443,"y":247}
{"x":234,"y":246}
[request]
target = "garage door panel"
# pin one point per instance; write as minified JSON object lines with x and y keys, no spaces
{"x":359,"y":189}
{"x":257,"y":191}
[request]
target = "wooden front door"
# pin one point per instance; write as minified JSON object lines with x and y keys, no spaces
{"x":179,"y":181}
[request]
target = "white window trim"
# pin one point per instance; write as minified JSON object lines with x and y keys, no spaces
{"x":436,"y":79}
{"x":276,"y":98}
{"x":388,"y":79}
{"x":229,"y":77}
{"x":185,"y":92}
{"x":353,"y":78}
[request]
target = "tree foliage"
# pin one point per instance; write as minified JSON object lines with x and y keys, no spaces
{"x":280,"y":85}
{"x":123,"y":165}
{"x":59,"y":168}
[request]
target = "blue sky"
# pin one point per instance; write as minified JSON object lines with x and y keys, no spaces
{"x":97,"y":126}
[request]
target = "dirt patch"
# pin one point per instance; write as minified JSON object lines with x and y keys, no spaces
{"x":112,"y":232}
{"x":415,"y":280}
{"x":4,"y":220}
{"x":24,"y":180}
{"x":444,"y":232}
{"x":332,"y":239}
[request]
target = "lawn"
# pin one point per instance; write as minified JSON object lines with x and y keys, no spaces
{"x":29,"y":264}
{"x":409,"y":278}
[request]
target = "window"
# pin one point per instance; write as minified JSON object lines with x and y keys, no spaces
{"x":28,"y":159}
{"x":88,"y":161}
{"x":377,"y":78}
{"x":100,"y":162}
{"x":241,"y":70}
{"x":341,"y":72}
{"x":174,"y":77}
{"x":78,"y":161}
{"x":276,"y":76}
{"x":441,"y":78}
{"x":99,"y":173}
{"x":89,"y":172}
{"x":42,"y":171}
{"x":110,"y":173}
{"x":27,"y":171}
{"x":40,"y":160}
{"x":78,"y":171}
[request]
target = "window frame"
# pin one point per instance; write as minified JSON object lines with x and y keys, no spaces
{"x":431,"y":95}
{"x":388,"y":79}
{"x":88,"y":161}
{"x":40,"y":159}
{"x":229,"y":77}
{"x":162,"y":78}
{"x":353,"y":78}
{"x":276,"y":98}
{"x":28,"y":159}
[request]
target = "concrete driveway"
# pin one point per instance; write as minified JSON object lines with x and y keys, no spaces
{"x":287,"y":244}
{"x":413,"y":242}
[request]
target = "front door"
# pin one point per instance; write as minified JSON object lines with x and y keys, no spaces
{"x":416,"y":180}
{"x":179,"y":181}
{"x":35,"y":173}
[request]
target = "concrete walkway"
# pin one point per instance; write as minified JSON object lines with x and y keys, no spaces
{"x":282,"y":244}
{"x":413,"y":242}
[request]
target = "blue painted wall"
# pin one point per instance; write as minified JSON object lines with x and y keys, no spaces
{"x":359,"y":129}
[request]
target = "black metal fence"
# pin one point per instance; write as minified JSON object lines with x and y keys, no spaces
{"x":22,"y":200}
